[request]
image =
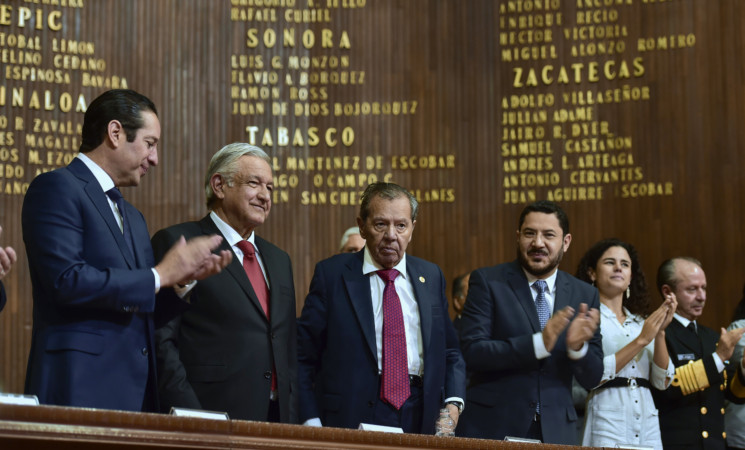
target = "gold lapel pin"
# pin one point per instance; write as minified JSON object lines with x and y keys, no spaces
{"x":421,"y":279}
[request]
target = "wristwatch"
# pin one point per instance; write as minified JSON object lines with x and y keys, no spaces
{"x":458,"y":405}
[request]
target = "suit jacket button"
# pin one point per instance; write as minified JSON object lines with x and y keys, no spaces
{"x":371,"y":403}
{"x":705,"y":434}
{"x":144,"y":351}
{"x":704,"y":410}
{"x":268,"y":375}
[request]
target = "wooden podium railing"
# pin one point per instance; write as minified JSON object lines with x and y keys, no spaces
{"x":51,"y":427}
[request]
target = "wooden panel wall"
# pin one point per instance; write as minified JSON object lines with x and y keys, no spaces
{"x":447,"y":57}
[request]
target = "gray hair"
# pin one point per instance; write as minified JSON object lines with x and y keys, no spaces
{"x":388,"y":191}
{"x":351,"y":231}
{"x":225,"y":163}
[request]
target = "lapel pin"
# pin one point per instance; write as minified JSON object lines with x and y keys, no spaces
{"x":421,"y":279}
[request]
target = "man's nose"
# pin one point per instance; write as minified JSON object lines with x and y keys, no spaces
{"x":152,"y":158}
{"x":390,"y":232}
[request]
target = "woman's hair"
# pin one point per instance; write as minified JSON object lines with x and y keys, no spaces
{"x":739,"y":313}
{"x":638,"y":301}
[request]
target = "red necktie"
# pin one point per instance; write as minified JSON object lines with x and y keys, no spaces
{"x":255,"y":275}
{"x":395,"y":384}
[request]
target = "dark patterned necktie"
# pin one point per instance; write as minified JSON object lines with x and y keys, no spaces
{"x":116,"y":196}
{"x":541,"y":305}
{"x":394,"y":387}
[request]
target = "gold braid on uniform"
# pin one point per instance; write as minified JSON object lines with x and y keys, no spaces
{"x":691,"y":377}
{"x":736,"y":386}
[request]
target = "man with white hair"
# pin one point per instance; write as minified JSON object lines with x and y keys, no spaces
{"x":234,"y":348}
{"x":351,"y":241}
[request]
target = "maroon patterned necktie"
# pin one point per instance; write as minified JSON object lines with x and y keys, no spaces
{"x":394,"y":387}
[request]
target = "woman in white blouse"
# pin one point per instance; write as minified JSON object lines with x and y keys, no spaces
{"x":620,"y":410}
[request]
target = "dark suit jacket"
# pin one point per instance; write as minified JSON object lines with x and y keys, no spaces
{"x":507,"y":381}
{"x":338,"y":367}
{"x":218,"y":354}
{"x":91,"y":342}
{"x":681,"y":420}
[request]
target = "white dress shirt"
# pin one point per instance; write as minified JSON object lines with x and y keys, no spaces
{"x":550,"y":295}
{"x":232,"y":237}
{"x":409,"y":309}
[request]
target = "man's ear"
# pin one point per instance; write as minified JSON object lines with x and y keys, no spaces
{"x":218,"y":184}
{"x":360,"y":225}
{"x":115,"y":133}
{"x":566,"y":241}
{"x":666,"y":290}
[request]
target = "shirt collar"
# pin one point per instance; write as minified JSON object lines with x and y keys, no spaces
{"x":369,"y":265}
{"x":607,"y":312}
{"x":230,"y":234}
{"x":102,"y":177}
{"x":550,"y":281}
{"x":683,"y":321}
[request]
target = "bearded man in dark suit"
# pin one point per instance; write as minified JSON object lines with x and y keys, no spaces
{"x":527,"y":328}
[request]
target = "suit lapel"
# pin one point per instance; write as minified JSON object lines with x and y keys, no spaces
{"x":519,"y":285}
{"x":235,"y":268}
{"x":139,"y":228}
{"x":423,"y":295}
{"x":687,"y":338}
{"x":268,"y":258}
{"x":563,"y":292}
{"x":98,"y":198}
{"x":358,"y":290}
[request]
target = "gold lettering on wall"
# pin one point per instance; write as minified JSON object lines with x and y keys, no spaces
{"x":43,"y":73}
{"x":276,"y":79}
{"x":553,"y":142}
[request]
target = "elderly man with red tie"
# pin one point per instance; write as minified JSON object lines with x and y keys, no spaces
{"x":375,"y":342}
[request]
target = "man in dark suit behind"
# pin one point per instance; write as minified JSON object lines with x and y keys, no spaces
{"x":354,"y":365}
{"x":522,"y":345}
{"x":92,"y":271}
{"x":7,"y":259}
{"x":692,"y":409}
{"x":229,"y":351}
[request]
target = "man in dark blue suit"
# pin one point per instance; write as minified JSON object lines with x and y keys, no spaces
{"x":354,"y":366}
{"x":7,"y":259}
{"x":92,"y":269}
{"x":522,"y":340}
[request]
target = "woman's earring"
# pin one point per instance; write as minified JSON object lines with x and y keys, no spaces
{"x":628,"y":292}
